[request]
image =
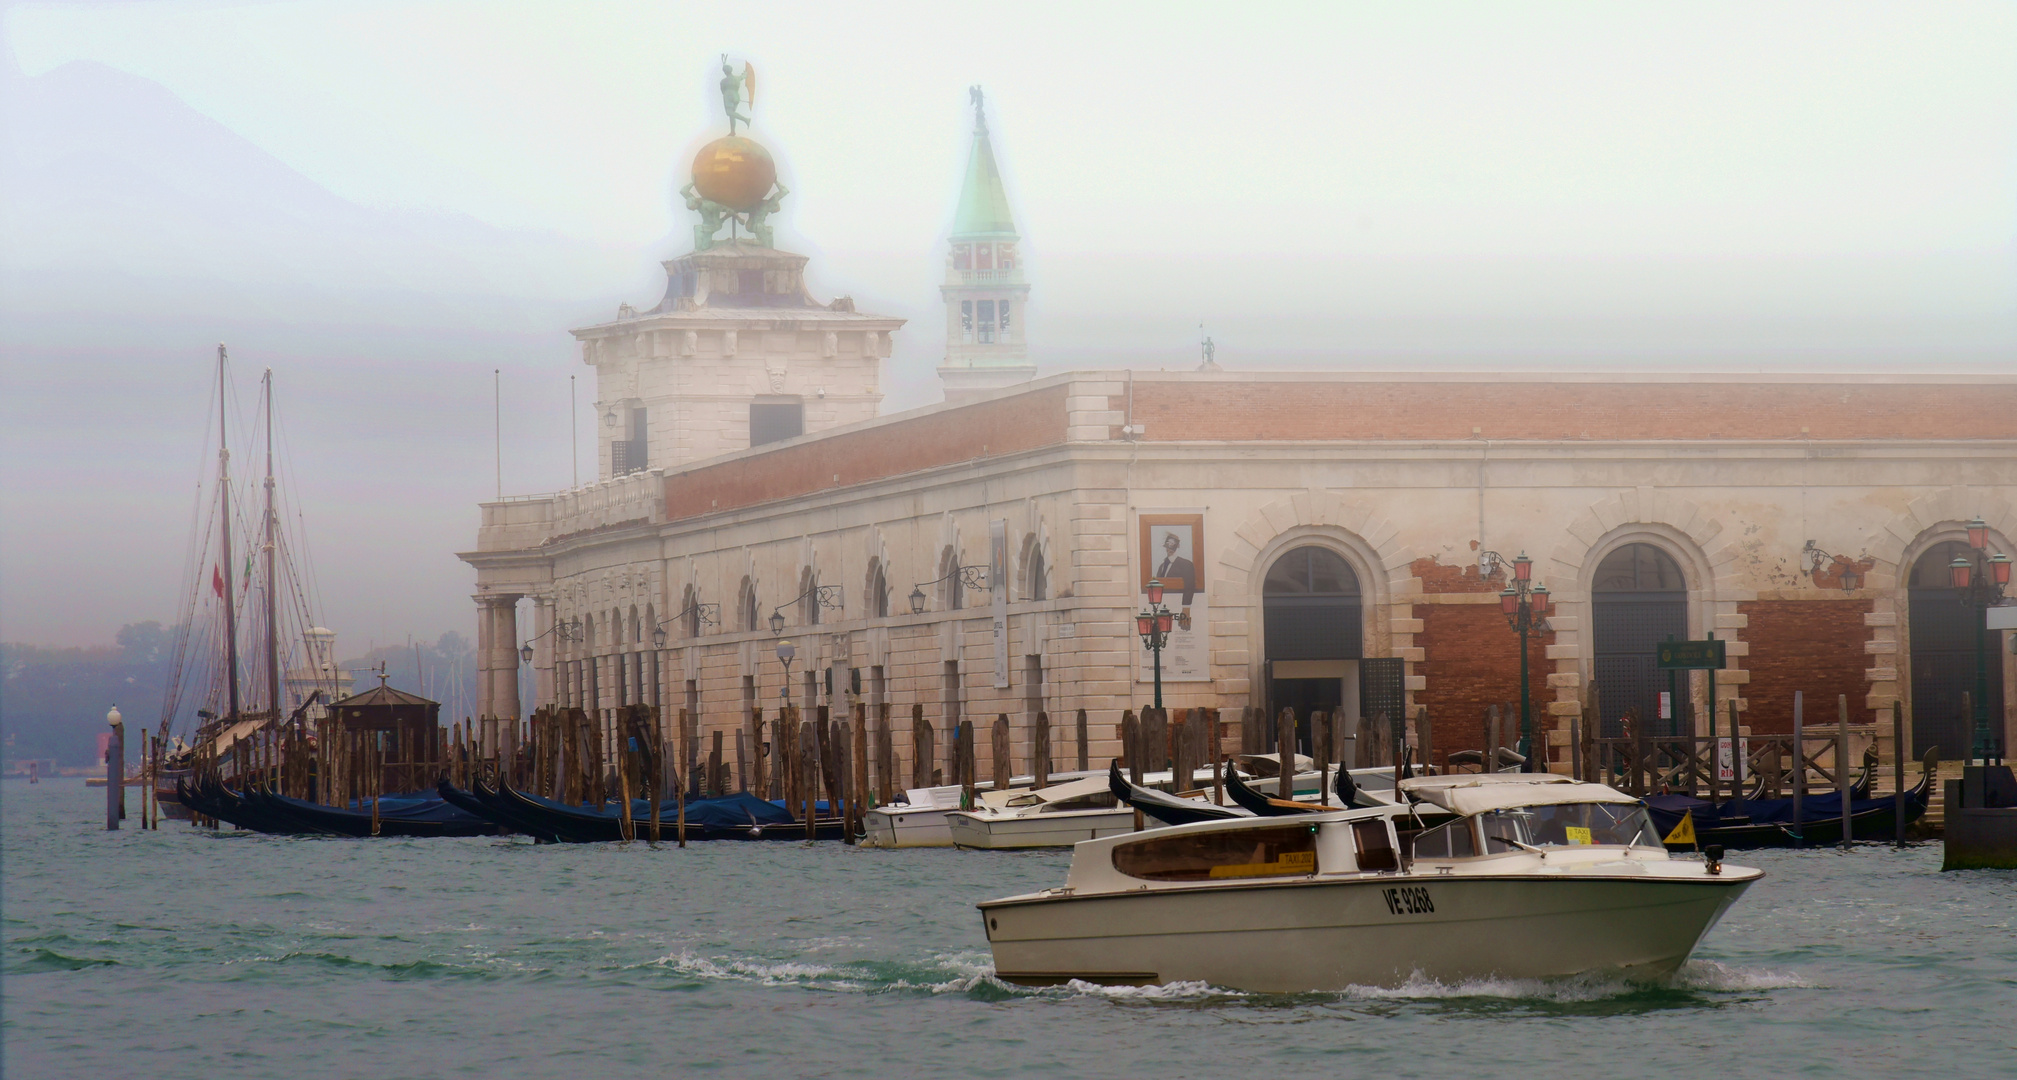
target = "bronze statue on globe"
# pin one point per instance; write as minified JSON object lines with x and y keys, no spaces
{"x":734,"y":179}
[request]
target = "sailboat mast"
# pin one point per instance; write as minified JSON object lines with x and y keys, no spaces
{"x":273,"y":687}
{"x":225,"y":572}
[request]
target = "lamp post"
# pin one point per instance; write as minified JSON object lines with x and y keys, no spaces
{"x":786,"y":651}
{"x":1154,"y":625}
{"x":1981,"y":579}
{"x":1524,"y":604}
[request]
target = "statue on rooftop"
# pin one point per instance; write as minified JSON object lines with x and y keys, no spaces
{"x":732,"y":86}
{"x":757,"y":218}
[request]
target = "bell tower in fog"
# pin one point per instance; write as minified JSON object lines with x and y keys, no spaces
{"x":986,"y":295}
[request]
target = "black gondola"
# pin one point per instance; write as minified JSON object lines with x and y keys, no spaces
{"x":1164,"y":808}
{"x":1755,"y":823}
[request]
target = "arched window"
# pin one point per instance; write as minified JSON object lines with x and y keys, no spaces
{"x":1310,"y":607}
{"x":878,"y":590}
{"x":1941,"y":637}
{"x":952,"y":595}
{"x":1638,"y":599}
{"x":1038,"y":585}
{"x":808,"y":597}
{"x":690,"y":612}
{"x":587,"y":643}
{"x":746,"y":603}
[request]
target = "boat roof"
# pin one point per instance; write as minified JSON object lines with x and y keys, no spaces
{"x":1477,"y":793}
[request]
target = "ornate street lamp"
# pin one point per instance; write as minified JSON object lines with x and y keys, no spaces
{"x":1154,"y":626}
{"x":776,"y":629}
{"x":1980,"y":580}
{"x":917,"y":599}
{"x":1525,"y":605}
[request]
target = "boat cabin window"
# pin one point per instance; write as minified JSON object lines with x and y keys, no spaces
{"x":1451,"y":841}
{"x":1098,"y":800}
{"x":1279,"y":851}
{"x":1569,"y":825}
{"x":1375,"y":843}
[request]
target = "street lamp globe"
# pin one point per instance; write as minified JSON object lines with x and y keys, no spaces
{"x":1145,"y":625}
{"x":1155,"y":592}
{"x":786,"y":650}
{"x":1978,"y":534}
{"x":1999,"y":568}
{"x":1959,"y":571}
{"x":1509,"y":602}
{"x":1539,"y":599}
{"x":1523,"y":567}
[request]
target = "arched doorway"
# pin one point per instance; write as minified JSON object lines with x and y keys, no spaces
{"x":1313,"y":632}
{"x":1941,"y":636}
{"x":1637,"y":600}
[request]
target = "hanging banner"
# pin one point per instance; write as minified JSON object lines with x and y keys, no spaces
{"x":1171,"y":549}
{"x":998,"y":583}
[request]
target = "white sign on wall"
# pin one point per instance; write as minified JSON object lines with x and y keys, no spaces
{"x":1171,"y":549}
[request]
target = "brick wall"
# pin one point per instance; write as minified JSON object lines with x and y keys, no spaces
{"x":1470,"y":662}
{"x":986,"y":429}
{"x":1814,"y":646}
{"x":1501,"y":409}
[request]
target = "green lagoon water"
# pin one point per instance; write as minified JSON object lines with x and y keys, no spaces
{"x":191,"y":954}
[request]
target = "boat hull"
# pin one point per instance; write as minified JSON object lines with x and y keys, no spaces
{"x":1378,"y":930}
{"x":1009,"y":832}
{"x":903,"y":827}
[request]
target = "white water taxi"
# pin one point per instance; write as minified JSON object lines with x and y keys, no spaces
{"x":1528,"y":875}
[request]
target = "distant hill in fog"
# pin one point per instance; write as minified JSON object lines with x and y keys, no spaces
{"x":136,"y":234}
{"x":123,"y":201}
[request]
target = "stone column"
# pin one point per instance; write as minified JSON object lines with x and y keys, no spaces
{"x":486,"y":626}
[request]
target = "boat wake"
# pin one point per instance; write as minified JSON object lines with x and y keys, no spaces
{"x":973,"y":975}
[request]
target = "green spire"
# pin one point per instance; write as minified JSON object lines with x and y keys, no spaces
{"x":983,"y":205}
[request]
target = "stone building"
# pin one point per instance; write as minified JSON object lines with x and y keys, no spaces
{"x":1333,"y":539}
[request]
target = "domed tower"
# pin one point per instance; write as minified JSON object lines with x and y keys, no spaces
{"x":737,"y":354}
{"x":986,"y":295}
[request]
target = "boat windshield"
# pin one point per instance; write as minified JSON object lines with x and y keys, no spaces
{"x":1100,"y":800}
{"x":1568,"y":825}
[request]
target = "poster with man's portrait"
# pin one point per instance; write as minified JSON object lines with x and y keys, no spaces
{"x":1172,"y":552}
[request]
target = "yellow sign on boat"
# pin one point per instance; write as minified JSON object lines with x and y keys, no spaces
{"x":1684,"y":833}
{"x":1292,"y":862}
{"x":1579,"y":835}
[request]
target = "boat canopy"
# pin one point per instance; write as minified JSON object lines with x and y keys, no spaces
{"x":1476,"y":793}
{"x":1074,"y":789}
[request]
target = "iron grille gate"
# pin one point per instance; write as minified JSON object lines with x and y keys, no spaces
{"x":1626,"y":628}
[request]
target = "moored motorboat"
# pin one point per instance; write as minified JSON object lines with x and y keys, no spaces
{"x":1535,"y":876}
{"x":1057,"y":816}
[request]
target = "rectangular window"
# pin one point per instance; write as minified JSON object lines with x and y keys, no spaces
{"x":1277,"y":851}
{"x":1003,"y":319}
{"x":966,"y":320}
{"x":986,"y":321}
{"x":775,"y":421}
{"x":1376,"y":845}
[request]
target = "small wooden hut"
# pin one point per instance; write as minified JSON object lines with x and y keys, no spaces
{"x":401,"y":730}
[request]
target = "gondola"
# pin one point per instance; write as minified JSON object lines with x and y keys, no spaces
{"x":729,"y":817}
{"x":1259,"y":805}
{"x":1755,"y":823}
{"x":1164,"y":808}
{"x":410,"y":816}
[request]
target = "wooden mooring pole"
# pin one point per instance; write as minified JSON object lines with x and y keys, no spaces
{"x":1898,"y":773}
{"x":1842,"y":767}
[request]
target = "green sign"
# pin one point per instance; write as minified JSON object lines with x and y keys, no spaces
{"x":1690,"y":655}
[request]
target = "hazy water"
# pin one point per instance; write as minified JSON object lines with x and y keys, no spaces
{"x":183,"y":953}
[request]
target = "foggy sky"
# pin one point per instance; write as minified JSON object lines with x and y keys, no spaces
{"x":385,"y":202}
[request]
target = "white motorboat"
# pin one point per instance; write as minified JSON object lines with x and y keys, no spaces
{"x":1056,"y":816}
{"x":920,"y":819}
{"x":1528,"y":876}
